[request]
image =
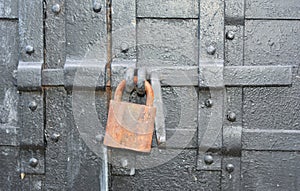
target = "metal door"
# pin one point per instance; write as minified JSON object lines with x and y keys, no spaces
{"x":226,"y":81}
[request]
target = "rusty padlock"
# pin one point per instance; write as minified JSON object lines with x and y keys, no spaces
{"x":130,"y":126}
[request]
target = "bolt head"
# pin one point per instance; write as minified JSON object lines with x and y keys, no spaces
{"x":229,"y":168}
{"x":124,"y":47}
{"x":208,"y":103}
{"x":32,"y":105}
{"x":208,"y":159}
{"x":33,"y":162}
{"x":124,"y":163}
{"x":29,"y":49}
{"x":99,"y":138}
{"x":230,"y":35}
{"x":231,"y":116}
{"x":56,"y":8}
{"x":97,"y":7}
{"x":55,"y":137}
{"x":211,"y":50}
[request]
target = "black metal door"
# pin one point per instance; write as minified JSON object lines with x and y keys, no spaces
{"x":226,"y":81}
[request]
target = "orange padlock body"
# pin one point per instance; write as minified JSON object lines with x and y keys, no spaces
{"x":130,"y":126}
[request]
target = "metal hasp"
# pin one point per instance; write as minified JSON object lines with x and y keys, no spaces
{"x":130,"y":126}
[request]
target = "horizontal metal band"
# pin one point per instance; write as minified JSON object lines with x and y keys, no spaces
{"x":53,"y":77}
{"x":91,"y":74}
{"x":271,"y":140}
{"x":29,"y":76}
{"x":175,"y":76}
{"x":257,"y":75}
{"x":84,"y":74}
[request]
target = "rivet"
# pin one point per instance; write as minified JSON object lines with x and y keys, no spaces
{"x":124,"y":47}
{"x":97,"y":7}
{"x":99,"y":138}
{"x":229,"y":168}
{"x":32,"y":105}
{"x":29,"y":49}
{"x":56,"y":8}
{"x":124,"y":162}
{"x":231,"y":116}
{"x":208,"y":103}
{"x":230,"y":35}
{"x":55,"y":137}
{"x":208,"y":159}
{"x":211,"y":50}
{"x":33,"y":162}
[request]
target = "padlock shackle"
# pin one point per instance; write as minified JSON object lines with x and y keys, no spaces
{"x":148,"y":89}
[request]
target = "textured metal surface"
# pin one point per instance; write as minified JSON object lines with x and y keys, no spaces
{"x":268,"y":9}
{"x":32,"y":161}
{"x":175,"y":76}
{"x":270,"y":170}
{"x":29,"y":76}
{"x":258,"y":76}
{"x":211,"y":52}
{"x":9,"y":9}
{"x":167,"y":9}
{"x":232,"y":140}
{"x":271,"y":140}
{"x":211,"y":74}
{"x":32,"y":124}
{"x":211,"y":29}
{"x":55,"y":33}
{"x":158,"y":42}
{"x":177,"y":174}
{"x":84,"y":74}
{"x":31,"y":30}
{"x":271,"y":42}
{"x":260,"y":49}
{"x":124,"y":31}
{"x":9,"y":135}
{"x":9,"y":164}
{"x":85,"y":31}
{"x":234,"y":12}
{"x":53,"y":77}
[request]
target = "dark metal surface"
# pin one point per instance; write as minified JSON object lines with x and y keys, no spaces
{"x":227,"y":77}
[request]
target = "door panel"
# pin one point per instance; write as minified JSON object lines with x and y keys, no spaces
{"x":229,"y":123}
{"x":270,"y":170}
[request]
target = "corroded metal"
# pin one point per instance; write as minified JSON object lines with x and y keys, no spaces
{"x":130,"y":126}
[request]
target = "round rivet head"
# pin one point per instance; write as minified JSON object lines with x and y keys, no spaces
{"x":124,"y":47}
{"x":32,"y":105}
{"x":208,"y":103}
{"x":56,"y":8}
{"x":208,"y":159}
{"x":230,"y":35}
{"x":124,"y":162}
{"x":33,"y":162}
{"x":229,"y":168}
{"x":231,"y":116}
{"x":97,"y":7}
{"x":99,"y":138}
{"x":55,"y":137}
{"x":211,"y":50}
{"x":29,"y":49}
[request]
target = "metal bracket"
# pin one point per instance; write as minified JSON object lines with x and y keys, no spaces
{"x":29,"y":76}
{"x":160,"y":126}
{"x":31,"y":111}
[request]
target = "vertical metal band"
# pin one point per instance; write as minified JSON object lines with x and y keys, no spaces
{"x":211,"y":93}
{"x":31,"y":110}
